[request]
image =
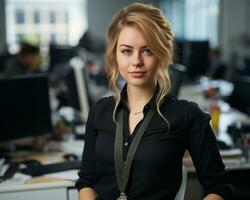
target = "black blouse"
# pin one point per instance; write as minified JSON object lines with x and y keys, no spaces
{"x":157,"y":166}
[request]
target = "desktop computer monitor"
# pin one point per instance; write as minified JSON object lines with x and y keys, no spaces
{"x":60,"y":54}
{"x":24,"y":107}
{"x":240,"y":97}
{"x":78,"y":90}
{"x":194,"y":55}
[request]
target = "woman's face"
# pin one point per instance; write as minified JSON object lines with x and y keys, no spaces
{"x":136,"y":62}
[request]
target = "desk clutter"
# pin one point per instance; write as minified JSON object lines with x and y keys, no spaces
{"x":12,"y":175}
{"x":38,"y":170}
{"x":58,"y":160}
{"x":240,"y":133}
{"x":7,"y":170}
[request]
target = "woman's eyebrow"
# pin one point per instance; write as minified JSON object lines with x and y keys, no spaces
{"x":125,"y":45}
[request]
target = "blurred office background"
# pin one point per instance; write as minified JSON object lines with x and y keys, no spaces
{"x":212,"y":37}
{"x":202,"y":28}
{"x":62,"y":38}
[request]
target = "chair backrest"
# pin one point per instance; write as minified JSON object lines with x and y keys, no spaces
{"x":177,"y":74}
{"x":181,"y":192}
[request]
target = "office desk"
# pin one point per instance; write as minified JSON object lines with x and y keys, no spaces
{"x":44,"y":187}
{"x":227,"y":116}
{"x":64,"y":190}
{"x":57,"y":190}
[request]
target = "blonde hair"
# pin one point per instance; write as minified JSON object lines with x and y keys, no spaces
{"x":156,"y":30}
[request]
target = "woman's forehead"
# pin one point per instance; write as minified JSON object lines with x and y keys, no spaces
{"x":131,"y":36}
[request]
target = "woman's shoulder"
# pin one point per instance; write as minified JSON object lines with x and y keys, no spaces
{"x":182,"y":103}
{"x":107,"y":102}
{"x":102,"y":114}
{"x":188,"y":109}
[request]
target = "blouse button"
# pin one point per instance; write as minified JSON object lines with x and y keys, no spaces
{"x":126,"y":144}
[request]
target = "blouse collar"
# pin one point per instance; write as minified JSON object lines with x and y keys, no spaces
{"x":150,"y":104}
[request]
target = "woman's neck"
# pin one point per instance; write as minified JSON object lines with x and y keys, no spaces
{"x":138,"y":97}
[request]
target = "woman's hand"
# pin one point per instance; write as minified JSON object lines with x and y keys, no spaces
{"x":87,"y":194}
{"x":213,"y":197}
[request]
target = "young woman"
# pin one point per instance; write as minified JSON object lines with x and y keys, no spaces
{"x":135,"y":140}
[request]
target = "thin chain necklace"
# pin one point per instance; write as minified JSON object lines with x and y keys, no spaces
{"x":136,"y":113}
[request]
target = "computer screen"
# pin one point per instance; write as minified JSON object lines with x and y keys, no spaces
{"x":177,"y":74}
{"x":194,"y":55}
{"x":24,"y":107}
{"x":77,"y":84}
{"x":240,"y":97}
{"x":60,"y":54}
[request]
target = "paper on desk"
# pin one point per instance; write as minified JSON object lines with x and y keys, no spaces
{"x":231,"y":152}
{"x":68,"y":175}
{"x":17,"y":179}
{"x":233,"y":161}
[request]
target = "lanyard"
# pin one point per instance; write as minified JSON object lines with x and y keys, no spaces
{"x":122,"y":169}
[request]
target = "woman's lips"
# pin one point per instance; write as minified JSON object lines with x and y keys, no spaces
{"x":137,"y":74}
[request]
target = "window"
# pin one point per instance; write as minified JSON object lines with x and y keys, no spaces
{"x":53,"y":38}
{"x":19,"y":16}
{"x":66,"y":17}
{"x":175,"y":12}
{"x":52,"y":17}
{"x":19,"y":36}
{"x":36,"y":17}
{"x":202,"y":20}
{"x":193,"y":19}
{"x":60,"y":21}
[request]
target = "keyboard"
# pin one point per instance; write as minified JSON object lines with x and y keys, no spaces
{"x":8,"y":171}
{"x":38,"y":170}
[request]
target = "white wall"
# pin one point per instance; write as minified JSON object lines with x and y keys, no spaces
{"x":100,"y":13}
{"x":234,"y":21}
{"x":2,"y":27}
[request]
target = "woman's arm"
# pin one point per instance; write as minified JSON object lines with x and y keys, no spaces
{"x":87,"y":194}
{"x":203,"y":148}
{"x":213,"y":197}
{"x":86,"y":181}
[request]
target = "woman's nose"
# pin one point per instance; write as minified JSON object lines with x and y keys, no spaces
{"x":136,"y":60}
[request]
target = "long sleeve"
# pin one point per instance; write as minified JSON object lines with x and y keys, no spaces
{"x":87,"y":171}
{"x":204,"y":151}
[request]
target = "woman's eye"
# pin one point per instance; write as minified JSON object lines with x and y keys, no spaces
{"x":127,"y":51}
{"x":147,"y":52}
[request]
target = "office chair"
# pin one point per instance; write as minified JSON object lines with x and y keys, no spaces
{"x":181,"y":192}
{"x":177,"y":74}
